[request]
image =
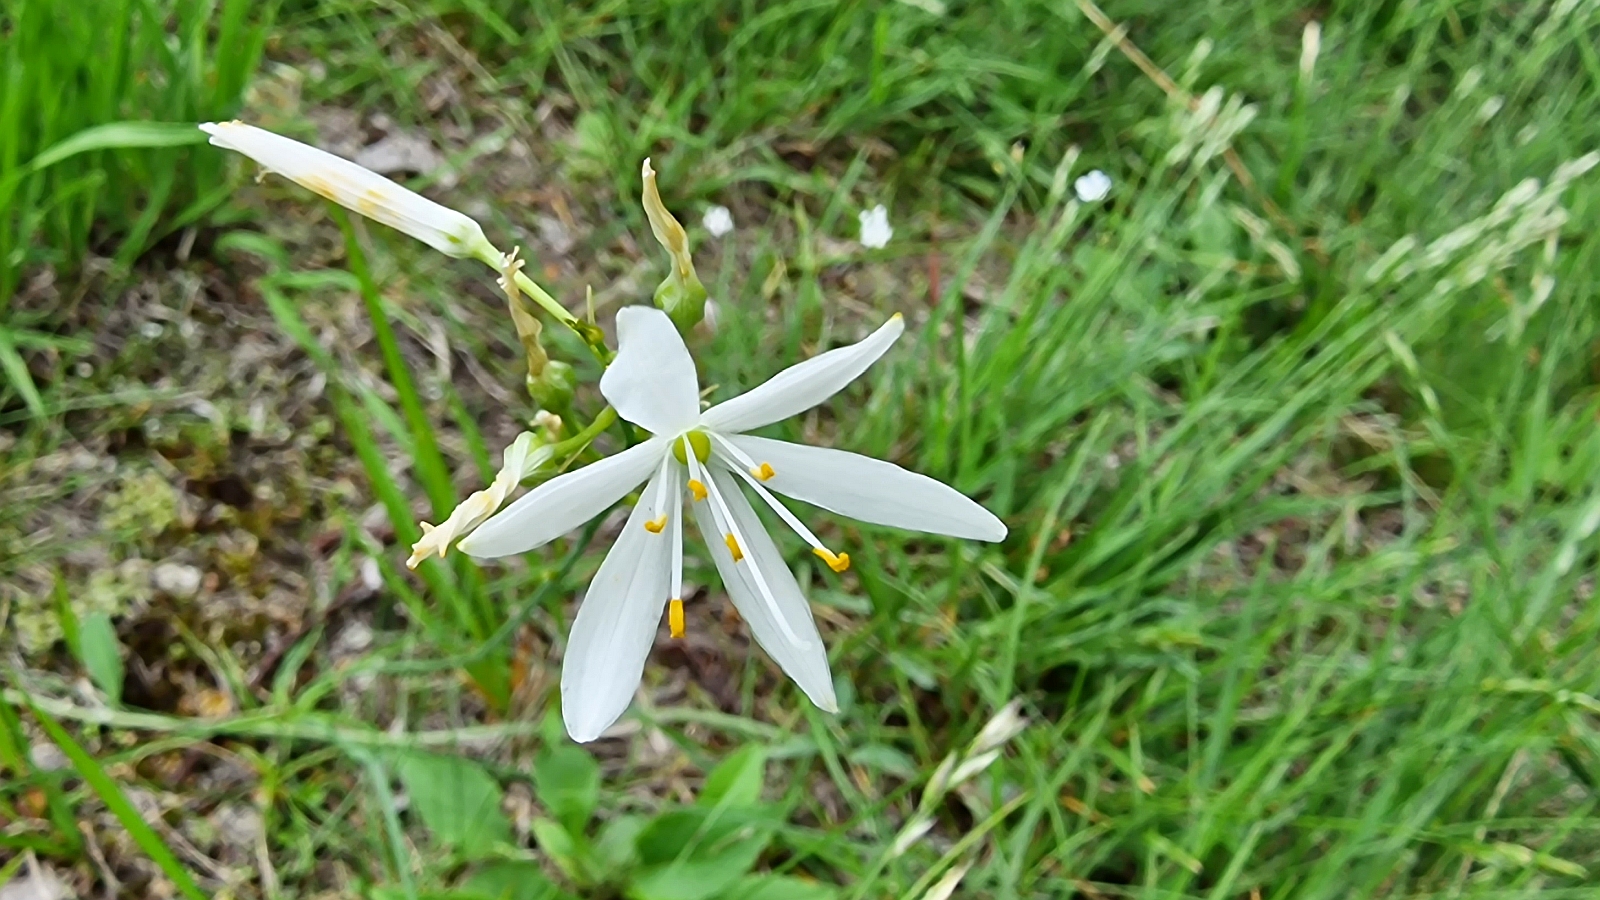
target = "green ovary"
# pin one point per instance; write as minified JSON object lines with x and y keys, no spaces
{"x":698,"y":440}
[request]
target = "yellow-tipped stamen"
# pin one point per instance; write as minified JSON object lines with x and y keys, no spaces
{"x":739,"y":456}
{"x":723,"y":517}
{"x":697,"y":488}
{"x":733,"y":547}
{"x":839,"y":562}
{"x":763,"y":471}
{"x":655,"y":525}
{"x":675,"y":617}
{"x":836,"y":561}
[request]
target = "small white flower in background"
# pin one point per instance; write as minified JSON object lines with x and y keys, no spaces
{"x":875,"y":230}
{"x":999,"y":730}
{"x":1093,"y":187}
{"x":358,"y":189}
{"x":709,"y":323}
{"x":652,"y":384}
{"x":718,"y":221}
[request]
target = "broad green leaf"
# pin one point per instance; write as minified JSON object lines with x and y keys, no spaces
{"x":510,"y":880}
{"x":567,"y":781}
{"x":560,"y":846}
{"x":698,"y":830}
{"x":700,"y":875}
{"x":101,"y":655}
{"x":456,"y":799}
{"x":617,"y":847}
{"x":737,"y":780}
{"x":780,"y":887}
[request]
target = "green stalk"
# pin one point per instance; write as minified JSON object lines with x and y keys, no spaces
{"x":592,"y":336}
{"x":489,"y":674}
{"x":120,"y":806}
{"x":429,"y":462}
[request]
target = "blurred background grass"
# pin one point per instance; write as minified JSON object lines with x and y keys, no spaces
{"x":1295,"y":434}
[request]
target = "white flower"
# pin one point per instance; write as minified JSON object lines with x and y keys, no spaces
{"x":875,"y":230}
{"x":358,"y":189}
{"x":1093,"y":187}
{"x":718,"y":221}
{"x":652,"y":384}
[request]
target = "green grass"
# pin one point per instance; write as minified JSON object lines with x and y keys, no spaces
{"x":1303,"y":478}
{"x":79,"y":83}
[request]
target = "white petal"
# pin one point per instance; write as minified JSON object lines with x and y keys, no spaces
{"x":616,"y":625}
{"x":563,"y":503}
{"x":870,"y":490}
{"x":803,"y":385}
{"x":652,"y":382}
{"x":806,"y":661}
{"x":356,"y":188}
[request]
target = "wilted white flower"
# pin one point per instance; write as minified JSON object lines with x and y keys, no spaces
{"x":718,"y":221}
{"x":652,"y":384}
{"x":358,"y":189}
{"x":875,"y":230}
{"x":1093,"y":187}
{"x":521,"y":459}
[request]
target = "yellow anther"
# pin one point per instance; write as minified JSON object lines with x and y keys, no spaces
{"x":836,"y":561}
{"x":697,"y":489}
{"x":763,"y":472}
{"x":655,"y":525}
{"x":733,"y":547}
{"x":675,"y":617}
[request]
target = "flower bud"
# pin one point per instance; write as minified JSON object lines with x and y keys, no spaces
{"x":681,"y":295}
{"x":356,"y":188}
{"x":553,"y":388}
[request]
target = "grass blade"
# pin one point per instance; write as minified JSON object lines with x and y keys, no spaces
{"x":117,"y":802}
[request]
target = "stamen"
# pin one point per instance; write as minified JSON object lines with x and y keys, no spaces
{"x":665,"y":487}
{"x":677,"y":539}
{"x":723,"y":517}
{"x":764,"y":472}
{"x":739,"y":456}
{"x":836,"y":561}
{"x":733,"y":547}
{"x":698,"y":489}
{"x":675,"y":617}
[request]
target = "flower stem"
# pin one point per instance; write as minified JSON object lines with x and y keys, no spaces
{"x":430,"y":466}
{"x":591,"y":335}
{"x":576,"y":444}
